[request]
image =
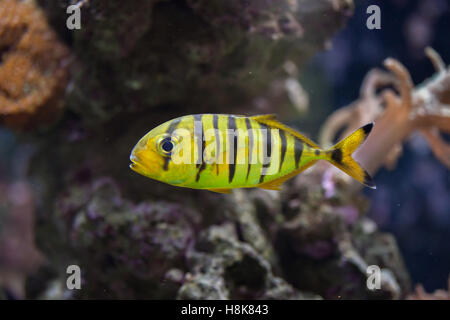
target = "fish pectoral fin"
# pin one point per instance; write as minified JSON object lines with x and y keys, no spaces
{"x":221,"y":190}
{"x":271,"y":121}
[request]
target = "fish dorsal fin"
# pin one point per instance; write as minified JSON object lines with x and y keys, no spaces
{"x":271,"y":121}
{"x":264,"y":117}
{"x":277,"y":183}
{"x":221,"y":190}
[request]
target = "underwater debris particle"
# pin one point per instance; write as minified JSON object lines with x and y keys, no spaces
{"x":33,"y":66}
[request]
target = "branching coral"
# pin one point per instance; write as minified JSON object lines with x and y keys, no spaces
{"x":421,"y":294}
{"x":33,"y":66}
{"x":425,"y":109}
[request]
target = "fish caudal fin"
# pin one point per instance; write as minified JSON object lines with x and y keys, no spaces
{"x":340,"y":155}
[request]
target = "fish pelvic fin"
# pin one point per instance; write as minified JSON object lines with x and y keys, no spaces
{"x":340,"y":155}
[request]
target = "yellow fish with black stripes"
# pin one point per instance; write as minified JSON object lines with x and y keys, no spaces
{"x":220,"y":152}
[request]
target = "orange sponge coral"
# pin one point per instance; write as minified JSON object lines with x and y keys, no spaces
{"x":33,"y":66}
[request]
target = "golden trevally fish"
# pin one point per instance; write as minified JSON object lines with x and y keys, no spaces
{"x":221,"y":152}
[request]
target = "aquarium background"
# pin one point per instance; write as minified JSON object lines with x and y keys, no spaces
{"x":68,"y":197}
{"x":412,"y":201}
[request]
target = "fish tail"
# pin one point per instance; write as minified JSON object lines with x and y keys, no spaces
{"x":340,"y":155}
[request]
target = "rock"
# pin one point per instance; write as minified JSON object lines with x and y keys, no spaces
{"x":225,"y":268}
{"x":125,"y":250}
{"x":326,"y":244}
{"x":188,"y":55}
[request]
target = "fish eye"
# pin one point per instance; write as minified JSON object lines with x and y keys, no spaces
{"x":166,"y":145}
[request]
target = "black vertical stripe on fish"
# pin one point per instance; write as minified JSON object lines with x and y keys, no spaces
{"x":217,"y":135}
{"x":283,"y":147}
{"x":203,"y":164}
{"x":172,"y":126}
{"x":250,"y":145}
{"x":232,"y":163}
{"x":298,"y":150}
{"x":267,"y":147}
{"x":199,"y":136}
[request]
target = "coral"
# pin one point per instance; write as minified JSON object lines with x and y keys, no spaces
{"x":420,"y":294}
{"x":33,"y":66}
{"x":424,"y":109}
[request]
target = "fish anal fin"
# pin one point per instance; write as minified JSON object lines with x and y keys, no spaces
{"x":271,"y":186}
{"x":271,"y":121}
{"x":228,"y":191}
{"x":277,"y":183}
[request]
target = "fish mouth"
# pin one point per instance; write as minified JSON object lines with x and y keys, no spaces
{"x":133,"y":166}
{"x":138,"y":166}
{"x":134,"y":163}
